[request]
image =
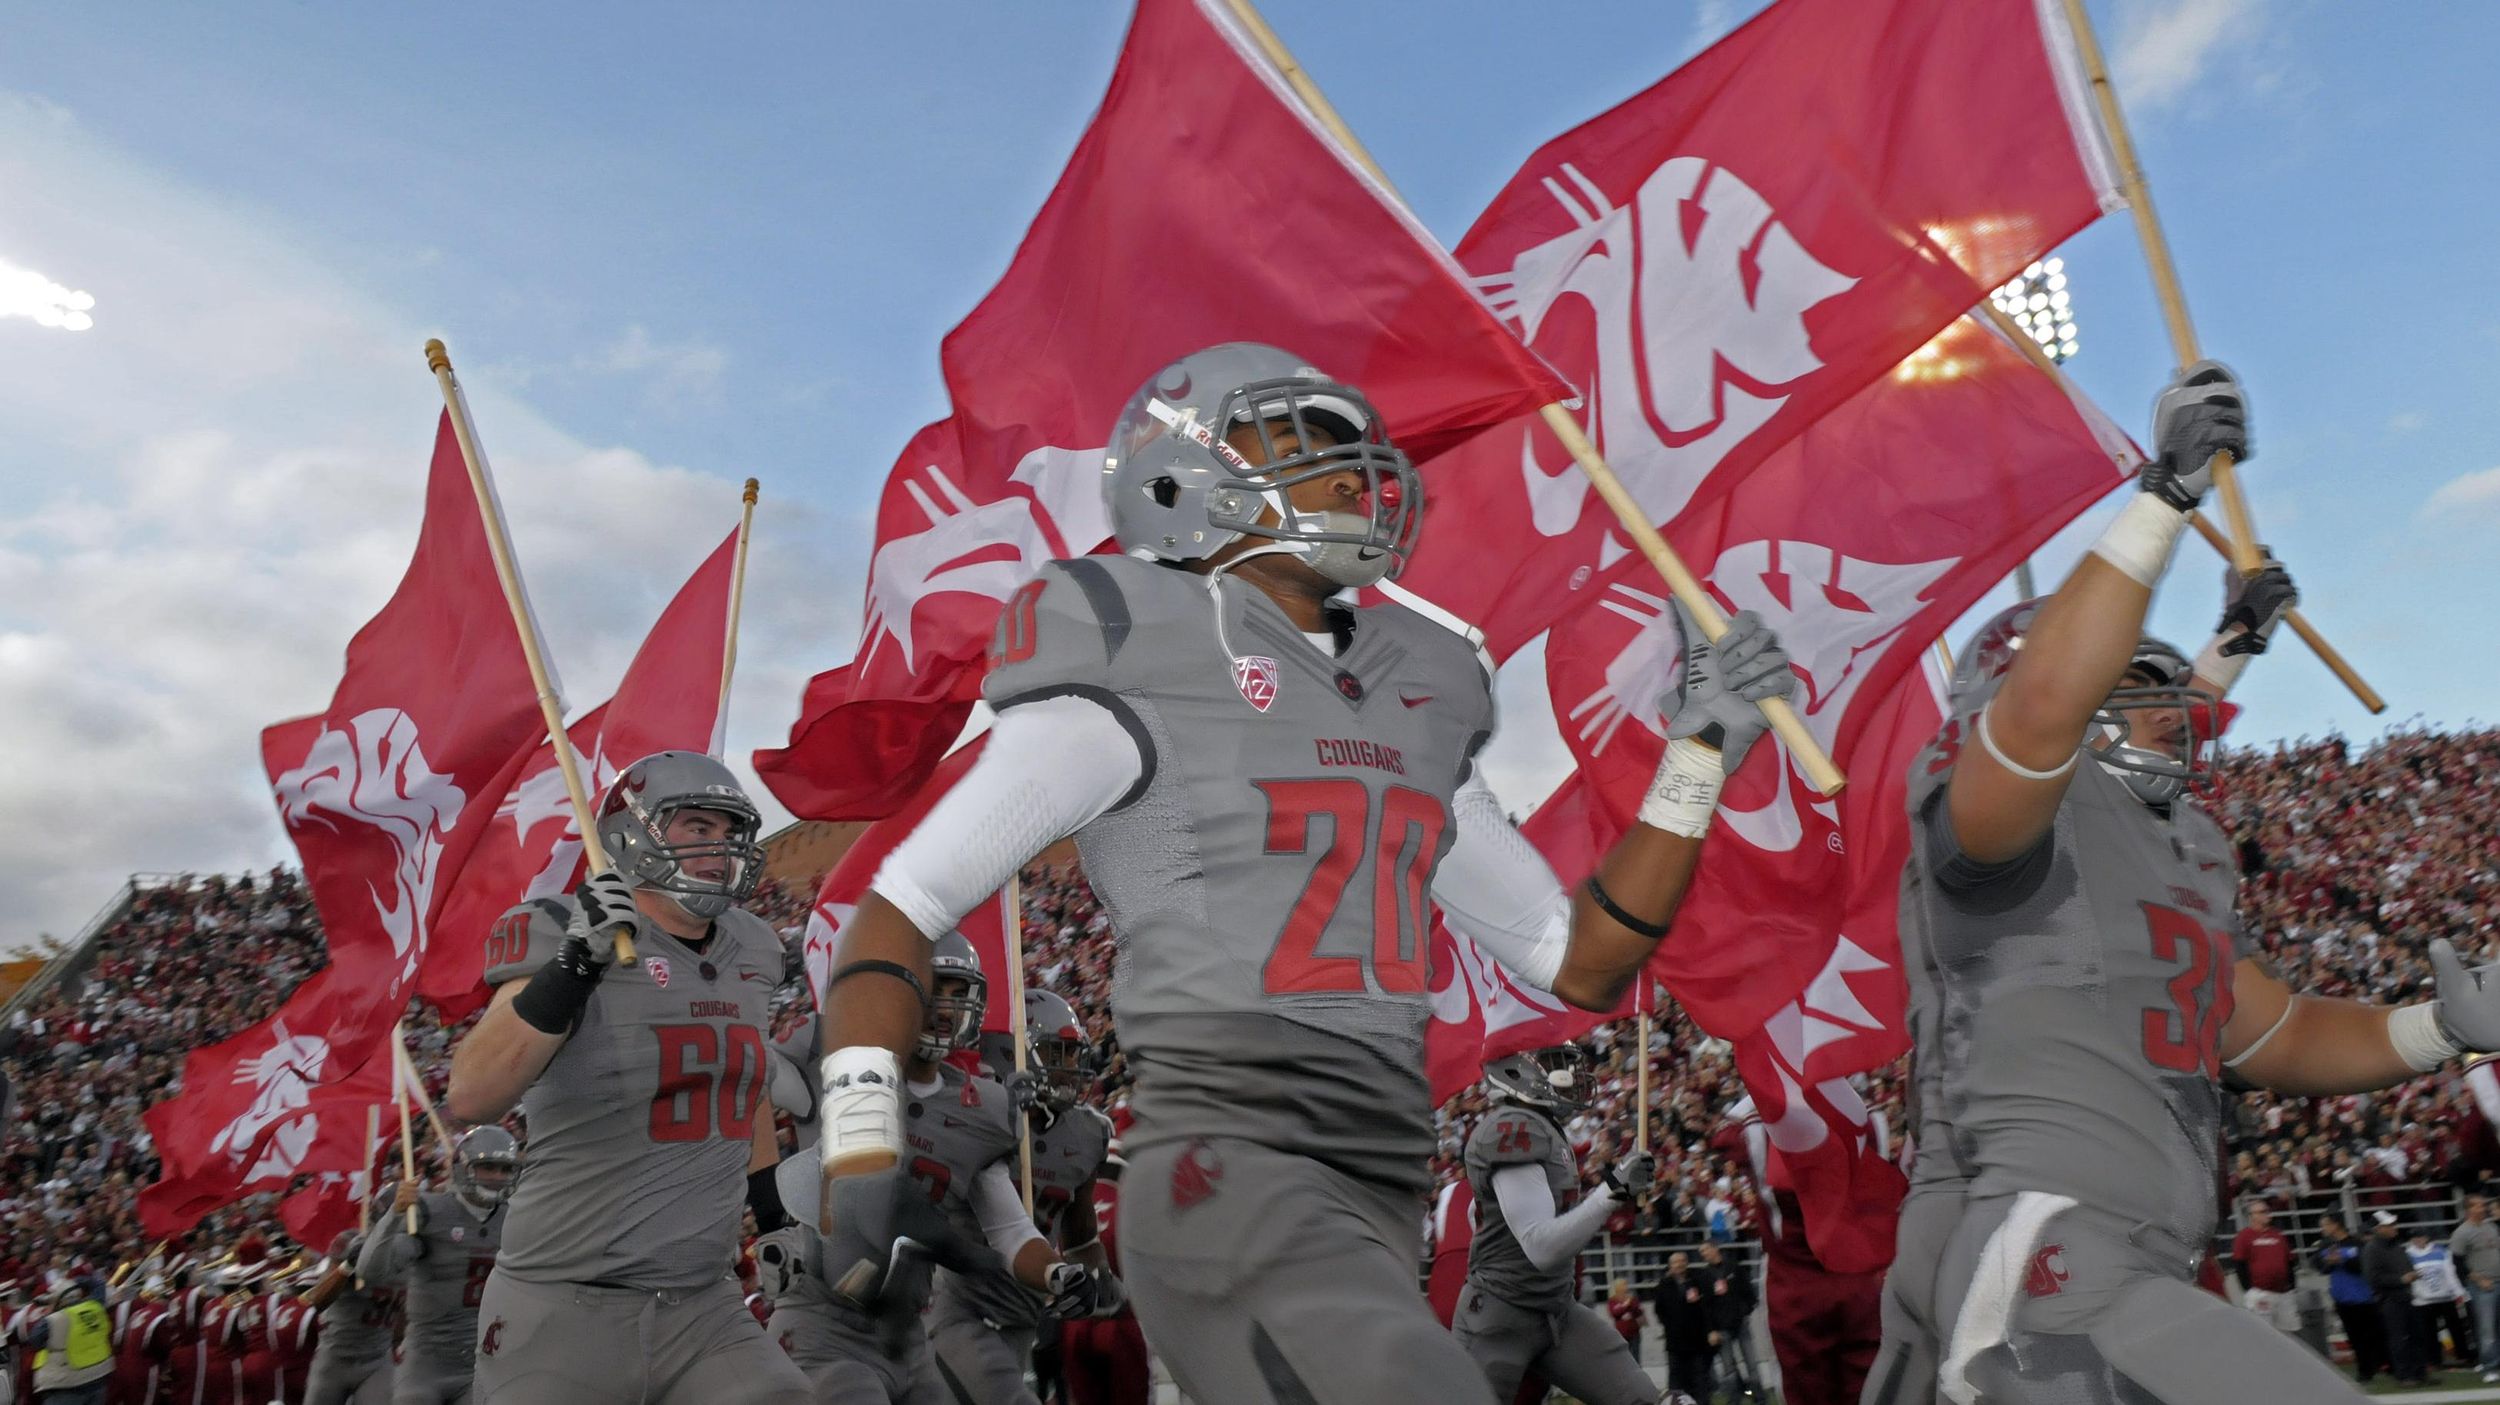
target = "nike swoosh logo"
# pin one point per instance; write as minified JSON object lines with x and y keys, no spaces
{"x":752,"y":976}
{"x":1414,"y":702}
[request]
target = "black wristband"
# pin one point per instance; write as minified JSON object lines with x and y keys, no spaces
{"x":764,"y":1198}
{"x":874,"y":967}
{"x":1605,"y":904}
{"x":553,"y":1000}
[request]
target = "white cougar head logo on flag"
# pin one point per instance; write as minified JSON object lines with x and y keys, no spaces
{"x":541,"y":798}
{"x":284,"y":1075}
{"x":1698,"y":299}
{"x":980,"y":548}
{"x":374,"y":773}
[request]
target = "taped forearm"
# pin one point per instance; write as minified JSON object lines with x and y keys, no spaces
{"x":1496,"y":889}
{"x":1550,"y":1240}
{"x":1049,"y":767}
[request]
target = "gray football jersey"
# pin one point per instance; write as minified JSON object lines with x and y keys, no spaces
{"x":442,"y":1271}
{"x":1268,"y":876}
{"x":1066,"y":1157}
{"x":1516,"y":1136}
{"x":356,"y":1322}
{"x":2067,"y":1007}
{"x":641,"y":1127}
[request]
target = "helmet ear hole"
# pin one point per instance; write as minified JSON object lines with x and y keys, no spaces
{"x":1164,"y":491}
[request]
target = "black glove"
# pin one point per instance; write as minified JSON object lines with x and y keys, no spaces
{"x":2201,"y":413}
{"x":1077,"y":1291}
{"x":2254,"y":603}
{"x":1631,"y":1177}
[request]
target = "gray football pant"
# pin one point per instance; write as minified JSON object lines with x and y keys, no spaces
{"x":2036,"y":1300}
{"x":845,"y":1363}
{"x":1285,"y":1283}
{"x":342,"y":1382}
{"x":571,"y":1344}
{"x":432,"y":1375}
{"x":981,"y":1364}
{"x":1571,"y":1347}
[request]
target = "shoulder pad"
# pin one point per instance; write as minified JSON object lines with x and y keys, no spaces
{"x":989,"y":1097}
{"x":755,"y":938}
{"x":525,"y":938}
{"x":1071,"y":625}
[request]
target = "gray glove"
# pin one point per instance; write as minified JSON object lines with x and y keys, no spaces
{"x":1717,"y":703}
{"x":2201,"y":413}
{"x":2469,"y":1001}
{"x":2255,"y":602}
{"x":604,"y":902}
{"x":1631,"y":1177}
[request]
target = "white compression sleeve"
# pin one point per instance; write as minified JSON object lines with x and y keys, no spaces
{"x":1496,"y":889}
{"x":1548,"y":1239}
{"x":1050,"y":766}
{"x":1001,"y":1210}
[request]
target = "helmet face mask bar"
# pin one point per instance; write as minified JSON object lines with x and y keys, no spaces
{"x":1178,"y":490}
{"x":1059,"y":1050}
{"x":635,"y":818}
{"x":484,"y":1164}
{"x":2155,"y":773}
{"x":958,"y":999}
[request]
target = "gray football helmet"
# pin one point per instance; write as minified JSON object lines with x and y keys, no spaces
{"x":484,"y":1164}
{"x":1058,"y":1048}
{"x":959,"y":995}
{"x":2157,"y":776}
{"x":1176,"y":490}
{"x":1555,"y":1079}
{"x":633,"y":825}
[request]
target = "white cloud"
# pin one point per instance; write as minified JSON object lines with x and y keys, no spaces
{"x":2406,"y":421}
{"x":2473,"y":493}
{"x":680,"y":371}
{"x":2164,"y":48}
{"x":215,"y":487}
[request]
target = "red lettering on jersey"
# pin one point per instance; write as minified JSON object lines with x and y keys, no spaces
{"x":1948,"y":748}
{"x":1354,"y":751}
{"x":712,"y":1009}
{"x":509,"y":940}
{"x":1510,"y":1138}
{"x":2201,"y":996}
{"x":1018,"y":636}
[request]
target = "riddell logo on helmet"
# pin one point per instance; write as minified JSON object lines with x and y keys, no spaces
{"x":1255,"y":676}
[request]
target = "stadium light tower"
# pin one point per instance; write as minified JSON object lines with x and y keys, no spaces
{"x":2038,"y":302}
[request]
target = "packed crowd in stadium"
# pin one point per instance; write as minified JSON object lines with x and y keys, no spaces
{"x":2355,"y":858}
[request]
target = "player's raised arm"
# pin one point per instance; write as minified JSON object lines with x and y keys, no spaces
{"x":2078,"y":646}
{"x":1587,"y":946}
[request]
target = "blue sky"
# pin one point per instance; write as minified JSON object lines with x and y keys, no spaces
{"x":669,"y":254}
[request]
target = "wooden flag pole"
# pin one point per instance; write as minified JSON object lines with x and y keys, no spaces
{"x":407,"y":1141}
{"x":737,"y":601}
{"x":416,"y":1090}
{"x":1681,"y":582}
{"x":2298,"y":623}
{"x":2243,"y":531}
{"x":508,"y":571}
{"x":1013,"y":896}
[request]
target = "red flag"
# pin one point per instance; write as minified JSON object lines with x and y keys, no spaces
{"x":838,"y":897}
{"x":387,"y":791}
{"x":668,"y":699}
{"x":336,"y":1201}
{"x":1203,"y":205}
{"x":1722,"y":260}
{"x":284,"y":1098}
{"x":1859,"y":542}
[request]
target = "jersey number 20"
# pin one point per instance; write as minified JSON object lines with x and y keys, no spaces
{"x":1403,"y":846}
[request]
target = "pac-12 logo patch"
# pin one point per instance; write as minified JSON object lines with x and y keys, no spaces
{"x":659,"y":970}
{"x":1255,"y":676}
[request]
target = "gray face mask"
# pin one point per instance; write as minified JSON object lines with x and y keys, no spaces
{"x":1347,"y":563}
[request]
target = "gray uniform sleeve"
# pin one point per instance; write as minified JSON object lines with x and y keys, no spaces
{"x":1061,"y":632}
{"x":1940,"y":850}
{"x":389,"y":1249}
{"x":525,"y":938}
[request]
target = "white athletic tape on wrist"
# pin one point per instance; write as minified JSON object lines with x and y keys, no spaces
{"x":2415,"y":1033}
{"x":1987,"y":739}
{"x":2140,"y":541}
{"x":863,"y":1102}
{"x":1685,"y":792}
{"x":2218,"y":668}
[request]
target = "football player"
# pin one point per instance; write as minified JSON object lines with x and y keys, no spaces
{"x":2079,"y":992}
{"x":1519,"y":1313}
{"x":982,"y":1328}
{"x":1102,"y":1358}
{"x":1264,"y":778}
{"x":442,"y":1268}
{"x":869,"y":1346}
{"x":351,"y":1362}
{"x":643,"y":1089}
